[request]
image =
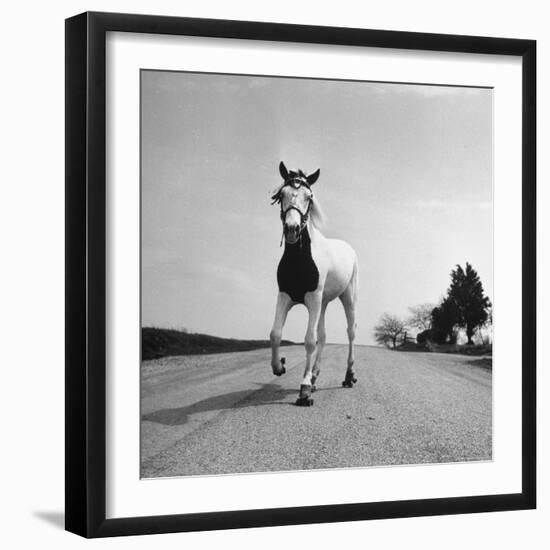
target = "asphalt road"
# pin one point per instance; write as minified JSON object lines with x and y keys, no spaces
{"x":227,"y":413}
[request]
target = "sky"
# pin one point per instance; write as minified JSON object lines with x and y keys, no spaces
{"x":406,"y":179}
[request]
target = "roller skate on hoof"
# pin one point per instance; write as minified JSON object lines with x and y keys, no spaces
{"x":304,"y":399}
{"x":349,"y":381}
{"x":283,"y":368}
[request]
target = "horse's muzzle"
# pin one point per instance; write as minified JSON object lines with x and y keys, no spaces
{"x":292,"y":233}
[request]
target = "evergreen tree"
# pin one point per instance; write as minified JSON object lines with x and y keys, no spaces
{"x":468,"y":299}
{"x":444,"y":319}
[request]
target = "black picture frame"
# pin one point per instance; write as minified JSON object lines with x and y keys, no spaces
{"x":86,"y":274}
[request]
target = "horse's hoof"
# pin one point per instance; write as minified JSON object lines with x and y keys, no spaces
{"x":313,"y":388}
{"x":283,"y":368}
{"x":349,"y":380}
{"x":304,"y":398}
{"x":304,"y":401}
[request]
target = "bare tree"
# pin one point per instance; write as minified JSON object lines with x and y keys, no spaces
{"x":421,"y":316}
{"x":389,"y":329}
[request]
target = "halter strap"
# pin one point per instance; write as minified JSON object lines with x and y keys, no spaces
{"x":296,"y":182}
{"x":293,"y":181}
{"x":304,"y":216}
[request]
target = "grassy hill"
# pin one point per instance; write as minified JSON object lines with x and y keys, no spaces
{"x":160,"y":342}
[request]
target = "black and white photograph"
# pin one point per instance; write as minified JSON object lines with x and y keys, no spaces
{"x":316,"y":274}
{"x":274,"y":275}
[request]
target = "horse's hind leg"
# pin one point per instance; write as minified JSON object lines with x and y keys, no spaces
{"x":349,"y":299}
{"x":321,"y":341}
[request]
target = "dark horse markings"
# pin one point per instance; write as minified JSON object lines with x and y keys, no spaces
{"x":297,"y":272}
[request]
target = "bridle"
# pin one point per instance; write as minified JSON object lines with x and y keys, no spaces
{"x":296,"y":182}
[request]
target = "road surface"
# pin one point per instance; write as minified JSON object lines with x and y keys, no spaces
{"x":227,"y":413}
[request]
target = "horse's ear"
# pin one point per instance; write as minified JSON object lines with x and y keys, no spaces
{"x":312,"y":178}
{"x":283,"y":171}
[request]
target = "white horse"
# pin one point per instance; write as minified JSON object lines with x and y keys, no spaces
{"x":313,"y":271}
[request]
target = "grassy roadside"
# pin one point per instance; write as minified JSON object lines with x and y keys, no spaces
{"x":160,"y":342}
{"x":462,"y":349}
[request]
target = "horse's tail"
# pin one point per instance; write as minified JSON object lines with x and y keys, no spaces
{"x":354,"y":281}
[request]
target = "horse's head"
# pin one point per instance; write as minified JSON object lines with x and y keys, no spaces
{"x":295,"y":197}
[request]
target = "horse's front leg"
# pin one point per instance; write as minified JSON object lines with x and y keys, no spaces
{"x":313,"y":304}
{"x":284,"y":303}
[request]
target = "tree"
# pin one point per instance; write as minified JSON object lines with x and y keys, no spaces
{"x":421,"y":316}
{"x":468,"y":299}
{"x":444,"y":319}
{"x":486,"y":336}
{"x":389,"y":329}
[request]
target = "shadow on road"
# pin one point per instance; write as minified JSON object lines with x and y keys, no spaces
{"x":267,"y":394}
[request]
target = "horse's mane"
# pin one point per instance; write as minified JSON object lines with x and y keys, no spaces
{"x":316,"y":214}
